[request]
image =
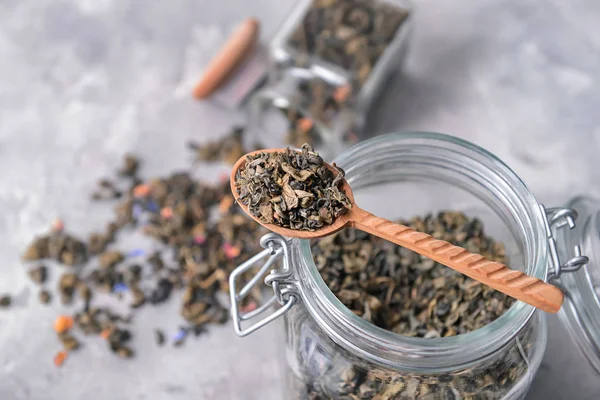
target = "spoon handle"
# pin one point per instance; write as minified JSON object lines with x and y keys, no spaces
{"x":513,"y":283}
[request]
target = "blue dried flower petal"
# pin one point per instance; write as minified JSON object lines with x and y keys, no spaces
{"x":180,"y":335}
{"x":137,"y":211}
{"x":136,"y":253}
{"x":120,"y":287}
{"x":152,"y":206}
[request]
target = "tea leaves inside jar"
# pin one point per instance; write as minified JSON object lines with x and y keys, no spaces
{"x":348,"y":33}
{"x":404,"y":292}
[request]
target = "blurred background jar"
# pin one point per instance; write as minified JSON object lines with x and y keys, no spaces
{"x":328,"y":63}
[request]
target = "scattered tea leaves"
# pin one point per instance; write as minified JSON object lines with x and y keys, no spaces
{"x":59,"y":246}
{"x":159,"y":337}
{"x":69,"y":341}
{"x":205,"y":252}
{"x":349,"y":34}
{"x":38,"y":275}
{"x":228,"y":149}
{"x":5,"y":301}
{"x":44,"y":297}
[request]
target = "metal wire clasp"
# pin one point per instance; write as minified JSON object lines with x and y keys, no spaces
{"x":559,"y":218}
{"x":284,"y":287}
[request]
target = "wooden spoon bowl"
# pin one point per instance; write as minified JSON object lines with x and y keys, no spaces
{"x":494,"y":274}
{"x":340,"y":223}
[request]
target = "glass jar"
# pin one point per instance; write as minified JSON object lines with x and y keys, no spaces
{"x":580,"y":312}
{"x":332,"y":353}
{"x":328,"y":63}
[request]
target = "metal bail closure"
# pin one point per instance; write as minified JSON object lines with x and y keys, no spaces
{"x":559,"y":218}
{"x":284,"y":287}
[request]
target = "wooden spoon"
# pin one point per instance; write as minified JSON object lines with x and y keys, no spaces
{"x":516,"y":284}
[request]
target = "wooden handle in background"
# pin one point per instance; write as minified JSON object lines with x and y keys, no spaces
{"x":230,"y":56}
{"x":516,"y":284}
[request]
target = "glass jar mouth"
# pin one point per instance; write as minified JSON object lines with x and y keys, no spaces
{"x":396,"y":350}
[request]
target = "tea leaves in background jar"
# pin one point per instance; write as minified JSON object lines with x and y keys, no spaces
{"x":348,"y":33}
{"x":301,"y":128}
{"x":292,"y":189}
{"x":316,"y":106}
{"x":323,"y":100}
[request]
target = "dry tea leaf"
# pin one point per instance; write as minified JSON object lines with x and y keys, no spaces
{"x":5,"y":301}
{"x":38,"y":275}
{"x":279,"y":188}
{"x":407,"y":293}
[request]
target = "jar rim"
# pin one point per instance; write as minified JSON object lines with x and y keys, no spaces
{"x":396,"y":350}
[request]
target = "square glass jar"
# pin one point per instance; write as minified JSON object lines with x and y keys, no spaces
{"x":330,"y":60}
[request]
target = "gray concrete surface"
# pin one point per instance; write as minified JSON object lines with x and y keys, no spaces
{"x":82,"y":81}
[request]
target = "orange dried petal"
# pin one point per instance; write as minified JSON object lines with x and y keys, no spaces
{"x":141,"y":190}
{"x":58,"y":225}
{"x":105,"y":333}
{"x":250,"y":307}
{"x":305,"y":124}
{"x":166,"y":212}
{"x":352,"y":137}
{"x":231,"y":251}
{"x":341,"y":94}
{"x":60,"y":358}
{"x":225,"y":204}
{"x":63,"y":323}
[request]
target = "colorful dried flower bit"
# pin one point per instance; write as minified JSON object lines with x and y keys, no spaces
{"x":352,"y":137}
{"x":179,"y":337}
{"x":137,"y":210}
{"x":152,"y":206}
{"x":231,"y":251}
{"x":180,"y":334}
{"x":142,"y":190}
{"x":342,"y":93}
{"x":106,"y":333}
{"x":225,"y":204}
{"x":199,"y":239}
{"x":63,"y":323}
{"x":58,"y":225}
{"x":251,"y":306}
{"x":120,"y":287}
{"x":166,"y":212}
{"x":305,"y":124}
{"x":136,"y":253}
{"x":60,"y":358}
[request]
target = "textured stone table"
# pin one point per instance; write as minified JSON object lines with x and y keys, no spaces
{"x":82,"y":81}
